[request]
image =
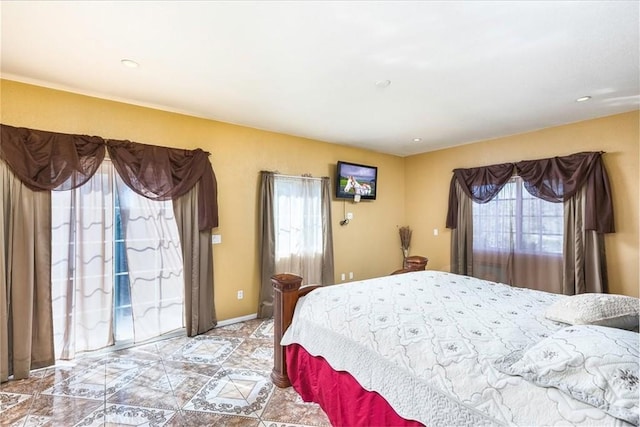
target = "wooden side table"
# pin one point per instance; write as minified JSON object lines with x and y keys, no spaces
{"x":416,"y":263}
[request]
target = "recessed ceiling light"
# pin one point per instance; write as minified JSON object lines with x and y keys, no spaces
{"x":129,"y":63}
{"x":417,"y":139}
{"x":583,"y":98}
{"x":383,"y":83}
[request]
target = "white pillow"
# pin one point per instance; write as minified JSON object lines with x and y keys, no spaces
{"x":615,"y":311}
{"x":596,"y":365}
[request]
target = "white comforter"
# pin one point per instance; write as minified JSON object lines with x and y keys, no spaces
{"x":427,"y":341}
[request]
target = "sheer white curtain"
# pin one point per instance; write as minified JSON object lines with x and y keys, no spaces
{"x":518,"y":239}
{"x":298,"y":227}
{"x":84,"y":246}
{"x":82,"y":265}
{"x":154,"y":259}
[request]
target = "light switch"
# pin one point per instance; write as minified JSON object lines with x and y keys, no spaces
{"x":216,"y":239}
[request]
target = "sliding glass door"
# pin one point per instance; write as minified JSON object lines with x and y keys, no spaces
{"x":116,"y":266}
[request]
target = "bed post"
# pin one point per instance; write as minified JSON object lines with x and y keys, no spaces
{"x":285,"y":297}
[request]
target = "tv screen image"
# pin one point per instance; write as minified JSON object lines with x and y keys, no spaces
{"x":354,"y":179}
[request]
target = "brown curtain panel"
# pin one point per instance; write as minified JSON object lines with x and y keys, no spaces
{"x":584,"y":267}
{"x":267,"y":244}
{"x":26,"y":326}
{"x":197,"y":253}
{"x":462,"y":234}
{"x":328,"y":273}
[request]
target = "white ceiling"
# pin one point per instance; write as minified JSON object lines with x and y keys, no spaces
{"x":460,"y":71}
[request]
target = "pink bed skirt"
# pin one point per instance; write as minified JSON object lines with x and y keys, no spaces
{"x":344,"y":401}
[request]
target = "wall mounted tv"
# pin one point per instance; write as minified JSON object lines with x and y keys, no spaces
{"x":353,"y":179}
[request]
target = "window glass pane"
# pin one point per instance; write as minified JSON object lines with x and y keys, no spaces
{"x":517,"y":221}
{"x":298,"y":226}
{"x":123,"y":316}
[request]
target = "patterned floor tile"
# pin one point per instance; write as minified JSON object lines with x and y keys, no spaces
{"x":252,"y":354}
{"x":101,"y":379}
{"x":25,"y":386}
{"x":167,"y":347}
{"x":185,"y":381}
{"x":206,"y":349}
{"x":30,"y":421}
{"x":241,"y":329}
{"x":234,"y":392}
{"x":220,"y":378}
{"x":61,"y":410}
{"x":154,"y":387}
{"x":286,"y":406}
{"x":9,"y":400}
{"x":127,"y":416}
{"x":190,"y":368}
{"x":264,"y":330}
{"x":194,"y":418}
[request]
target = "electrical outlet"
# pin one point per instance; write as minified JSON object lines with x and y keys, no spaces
{"x":349,"y":216}
{"x":351,"y":275}
{"x":342,"y":277}
{"x":240,"y":294}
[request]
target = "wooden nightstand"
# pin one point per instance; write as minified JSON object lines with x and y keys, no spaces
{"x":416,"y":263}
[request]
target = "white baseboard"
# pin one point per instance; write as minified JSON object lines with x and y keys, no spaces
{"x":237,"y":320}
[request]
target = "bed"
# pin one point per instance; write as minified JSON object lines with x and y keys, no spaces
{"x":438,"y":349}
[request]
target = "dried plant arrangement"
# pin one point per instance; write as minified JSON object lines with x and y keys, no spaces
{"x":405,"y":242}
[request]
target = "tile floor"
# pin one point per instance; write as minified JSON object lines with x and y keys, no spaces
{"x":217,"y":379}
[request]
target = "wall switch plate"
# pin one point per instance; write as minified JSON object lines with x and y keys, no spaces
{"x":216,"y":239}
{"x":349,"y":215}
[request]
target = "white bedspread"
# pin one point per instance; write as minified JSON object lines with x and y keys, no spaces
{"x":427,"y":341}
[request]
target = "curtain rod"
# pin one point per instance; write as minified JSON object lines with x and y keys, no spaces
{"x":533,"y":160}
{"x":297,"y":176}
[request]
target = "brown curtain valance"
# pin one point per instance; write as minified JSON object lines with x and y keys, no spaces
{"x":558,"y":179}
{"x":555,"y":179}
{"x":161,"y":173}
{"x":47,"y":161}
{"x":480,"y":184}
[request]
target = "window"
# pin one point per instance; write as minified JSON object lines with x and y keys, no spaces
{"x":517,"y":221}
{"x":295,"y":232}
{"x":518,"y":238}
{"x":298,"y":226}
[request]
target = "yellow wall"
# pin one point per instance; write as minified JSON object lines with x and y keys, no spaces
{"x":368,"y":246}
{"x":428,"y":176}
{"x":412,"y":191}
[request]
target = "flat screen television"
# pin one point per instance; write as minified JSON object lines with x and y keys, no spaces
{"x":353,"y":179}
